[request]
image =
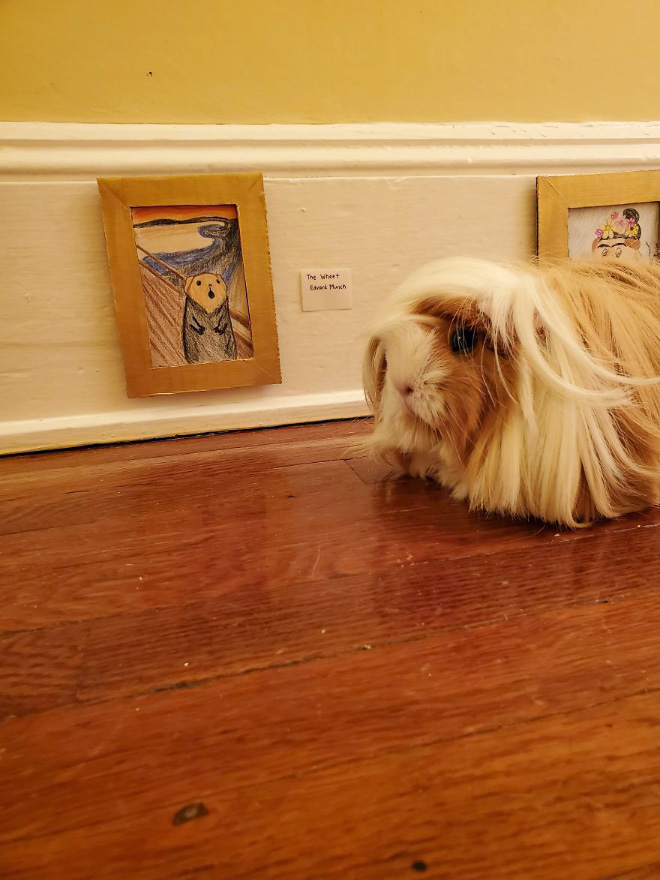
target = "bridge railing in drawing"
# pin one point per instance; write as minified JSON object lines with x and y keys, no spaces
{"x":175,"y":281}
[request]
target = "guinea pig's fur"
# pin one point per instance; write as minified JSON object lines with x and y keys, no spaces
{"x":526,"y":391}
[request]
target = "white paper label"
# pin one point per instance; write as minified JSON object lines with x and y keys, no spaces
{"x":326,"y":289}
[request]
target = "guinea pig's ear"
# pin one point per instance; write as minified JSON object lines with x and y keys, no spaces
{"x":374,"y":366}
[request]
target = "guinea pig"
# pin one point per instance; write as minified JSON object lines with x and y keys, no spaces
{"x":526,"y":391}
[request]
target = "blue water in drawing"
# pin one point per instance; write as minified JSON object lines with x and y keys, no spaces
{"x":221,"y":257}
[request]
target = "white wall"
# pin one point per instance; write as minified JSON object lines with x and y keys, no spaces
{"x":380,"y":199}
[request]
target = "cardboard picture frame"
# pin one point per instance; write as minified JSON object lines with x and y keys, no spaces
{"x":558,"y":195}
{"x":258,"y":363}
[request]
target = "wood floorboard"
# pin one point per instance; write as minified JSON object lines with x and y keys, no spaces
{"x":253,"y":655}
{"x":575,"y":794}
{"x":345,"y":432}
{"x":250,"y":629}
{"x":646,"y":872}
{"x":339,"y":709}
{"x":159,"y":539}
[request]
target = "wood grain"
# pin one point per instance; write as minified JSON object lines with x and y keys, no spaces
{"x":40,"y":669}
{"x":245,"y":656}
{"x":246,"y":630}
{"x":153,"y":535}
{"x":343,"y":432}
{"x":337,"y":709}
{"x":647,"y":872}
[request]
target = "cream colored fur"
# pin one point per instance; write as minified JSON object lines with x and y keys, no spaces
{"x":555,"y":413}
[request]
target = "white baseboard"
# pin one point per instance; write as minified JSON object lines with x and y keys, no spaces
{"x":380,"y":199}
{"x":65,"y":431}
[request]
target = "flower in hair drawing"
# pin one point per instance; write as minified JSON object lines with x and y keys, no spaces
{"x":618,"y":233}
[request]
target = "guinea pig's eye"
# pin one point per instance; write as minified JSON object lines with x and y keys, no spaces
{"x":217,"y":281}
{"x":199,"y":283}
{"x":463,"y":339}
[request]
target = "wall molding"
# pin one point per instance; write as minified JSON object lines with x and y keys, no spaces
{"x":51,"y":150}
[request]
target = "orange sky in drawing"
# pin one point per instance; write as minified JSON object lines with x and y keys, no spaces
{"x":183,"y":212}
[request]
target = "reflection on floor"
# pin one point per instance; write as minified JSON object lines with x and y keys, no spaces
{"x":255,"y":655}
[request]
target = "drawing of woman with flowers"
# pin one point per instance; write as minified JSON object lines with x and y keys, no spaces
{"x":619,"y":237}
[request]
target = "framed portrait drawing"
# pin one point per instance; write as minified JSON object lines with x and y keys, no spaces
{"x":190,"y":270}
{"x":599,"y":216}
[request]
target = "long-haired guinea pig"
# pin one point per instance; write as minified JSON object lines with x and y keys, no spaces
{"x":526,"y":391}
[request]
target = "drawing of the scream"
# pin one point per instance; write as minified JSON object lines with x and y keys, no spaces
{"x":193,"y":279}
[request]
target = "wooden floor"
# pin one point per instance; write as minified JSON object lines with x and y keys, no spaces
{"x":247,"y":656}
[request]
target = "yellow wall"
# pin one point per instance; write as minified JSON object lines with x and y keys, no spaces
{"x":262,"y":61}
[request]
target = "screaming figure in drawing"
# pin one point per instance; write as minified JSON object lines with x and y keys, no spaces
{"x":208,"y":334}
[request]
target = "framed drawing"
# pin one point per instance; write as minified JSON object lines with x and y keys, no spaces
{"x":190,"y":270}
{"x":599,"y":216}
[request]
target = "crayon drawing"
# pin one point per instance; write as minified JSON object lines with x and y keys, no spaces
{"x":193,"y":281}
{"x":627,"y":233}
